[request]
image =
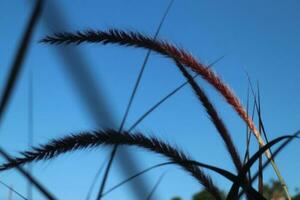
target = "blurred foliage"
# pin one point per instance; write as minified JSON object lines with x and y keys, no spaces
{"x":176,"y":198}
{"x":204,"y":195}
{"x":273,"y":190}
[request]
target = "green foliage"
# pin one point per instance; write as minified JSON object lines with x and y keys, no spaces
{"x":296,"y":197}
{"x":176,"y":198}
{"x":273,"y":190}
{"x":204,"y":195}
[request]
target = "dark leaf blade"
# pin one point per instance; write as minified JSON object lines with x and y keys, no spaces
{"x":28,"y":176}
{"x":226,"y":174}
{"x":233,"y":193}
{"x":214,"y":117}
{"x":88,"y":140}
{"x":16,"y":67}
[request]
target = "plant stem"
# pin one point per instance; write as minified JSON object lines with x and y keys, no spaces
{"x":275,"y":167}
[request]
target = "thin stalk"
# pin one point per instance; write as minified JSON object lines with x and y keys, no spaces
{"x":89,"y":193}
{"x":165,"y":98}
{"x":269,"y":152}
{"x":90,"y":92}
{"x":233,"y":193}
{"x":260,"y":178}
{"x":288,"y":139}
{"x":135,"y":39}
{"x":214,"y":117}
{"x":16,"y":67}
{"x":155,"y":186}
{"x":11,"y":191}
{"x":137,"y":83}
{"x":30,"y":129}
{"x":28,"y":176}
{"x":256,"y":106}
{"x":138,"y":40}
{"x":88,"y":140}
{"x":247,"y":153}
{"x":246,"y":158}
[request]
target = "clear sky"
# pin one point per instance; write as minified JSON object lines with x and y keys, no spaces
{"x":261,"y":37}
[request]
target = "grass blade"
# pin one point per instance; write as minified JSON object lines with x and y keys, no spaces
{"x":165,"y":98}
{"x":13,"y":190}
{"x":135,"y":39}
{"x":110,"y":137}
{"x":30,"y":129}
{"x":231,"y":177}
{"x":136,"y":85}
{"x":155,"y":186}
{"x":270,"y":157}
{"x":260,"y":178}
{"x":215,"y":118}
{"x":139,"y":40}
{"x":89,"y":193}
{"x":276,"y":152}
{"x":28,"y":176}
{"x":19,"y":58}
{"x":234,"y":189}
{"x":90,"y":92}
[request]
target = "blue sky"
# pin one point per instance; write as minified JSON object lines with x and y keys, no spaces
{"x":261,"y":37}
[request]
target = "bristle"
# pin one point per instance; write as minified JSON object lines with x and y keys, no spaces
{"x":215,"y":118}
{"x":110,"y":137}
{"x":135,"y":39}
